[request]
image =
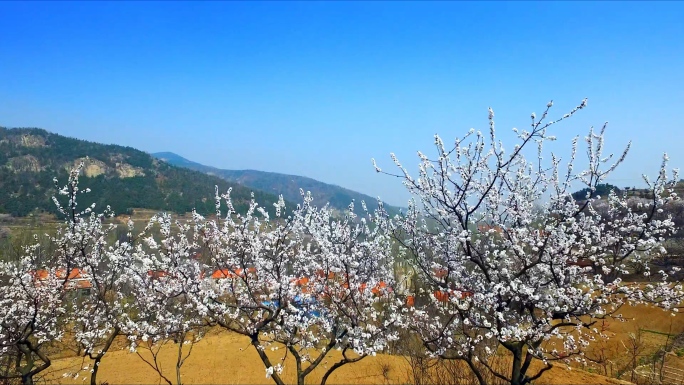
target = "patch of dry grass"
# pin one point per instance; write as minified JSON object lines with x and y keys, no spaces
{"x":227,"y":358}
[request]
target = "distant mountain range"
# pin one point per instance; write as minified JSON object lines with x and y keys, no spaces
{"x":121,"y":177}
{"x":287,"y":185}
{"x":126,"y":179}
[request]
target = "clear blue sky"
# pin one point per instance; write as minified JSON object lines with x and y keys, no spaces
{"x":318,"y":88}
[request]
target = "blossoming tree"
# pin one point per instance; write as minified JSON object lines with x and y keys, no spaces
{"x":304,"y":282}
{"x":165,"y":281}
{"x":510,"y":264}
{"x":37,"y":292}
{"x":104,"y":313}
{"x":32,"y":305}
{"x":513,"y":264}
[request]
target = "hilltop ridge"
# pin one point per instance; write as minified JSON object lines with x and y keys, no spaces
{"x":285,"y":184}
{"x":121,"y":177}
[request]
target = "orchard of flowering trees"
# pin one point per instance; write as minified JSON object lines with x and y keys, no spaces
{"x":303,"y":281}
{"x":505,"y":264}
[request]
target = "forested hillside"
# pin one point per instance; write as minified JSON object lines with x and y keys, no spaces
{"x":122,"y":177}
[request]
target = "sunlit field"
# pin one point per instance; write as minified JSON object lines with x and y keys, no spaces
{"x":227,"y":358}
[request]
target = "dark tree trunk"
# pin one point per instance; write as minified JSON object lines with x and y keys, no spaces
{"x":517,"y":374}
{"x":96,"y":367}
{"x":100,"y":355}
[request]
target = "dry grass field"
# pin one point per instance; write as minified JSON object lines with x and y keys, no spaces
{"x":226,"y":358}
{"x":229,"y":359}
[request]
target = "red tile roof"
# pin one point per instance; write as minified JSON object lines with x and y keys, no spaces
{"x":77,"y":278}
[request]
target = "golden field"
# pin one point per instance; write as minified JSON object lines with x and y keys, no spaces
{"x":227,"y":358}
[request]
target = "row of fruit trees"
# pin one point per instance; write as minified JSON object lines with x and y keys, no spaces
{"x":498,"y":257}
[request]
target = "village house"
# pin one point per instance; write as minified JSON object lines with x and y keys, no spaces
{"x":77,"y":280}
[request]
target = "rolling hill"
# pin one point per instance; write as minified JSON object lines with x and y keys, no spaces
{"x":121,"y":177}
{"x":287,"y":185}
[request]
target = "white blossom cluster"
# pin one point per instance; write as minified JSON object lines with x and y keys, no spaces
{"x":506,"y":261}
{"x":510,"y":262}
{"x":305,"y":281}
